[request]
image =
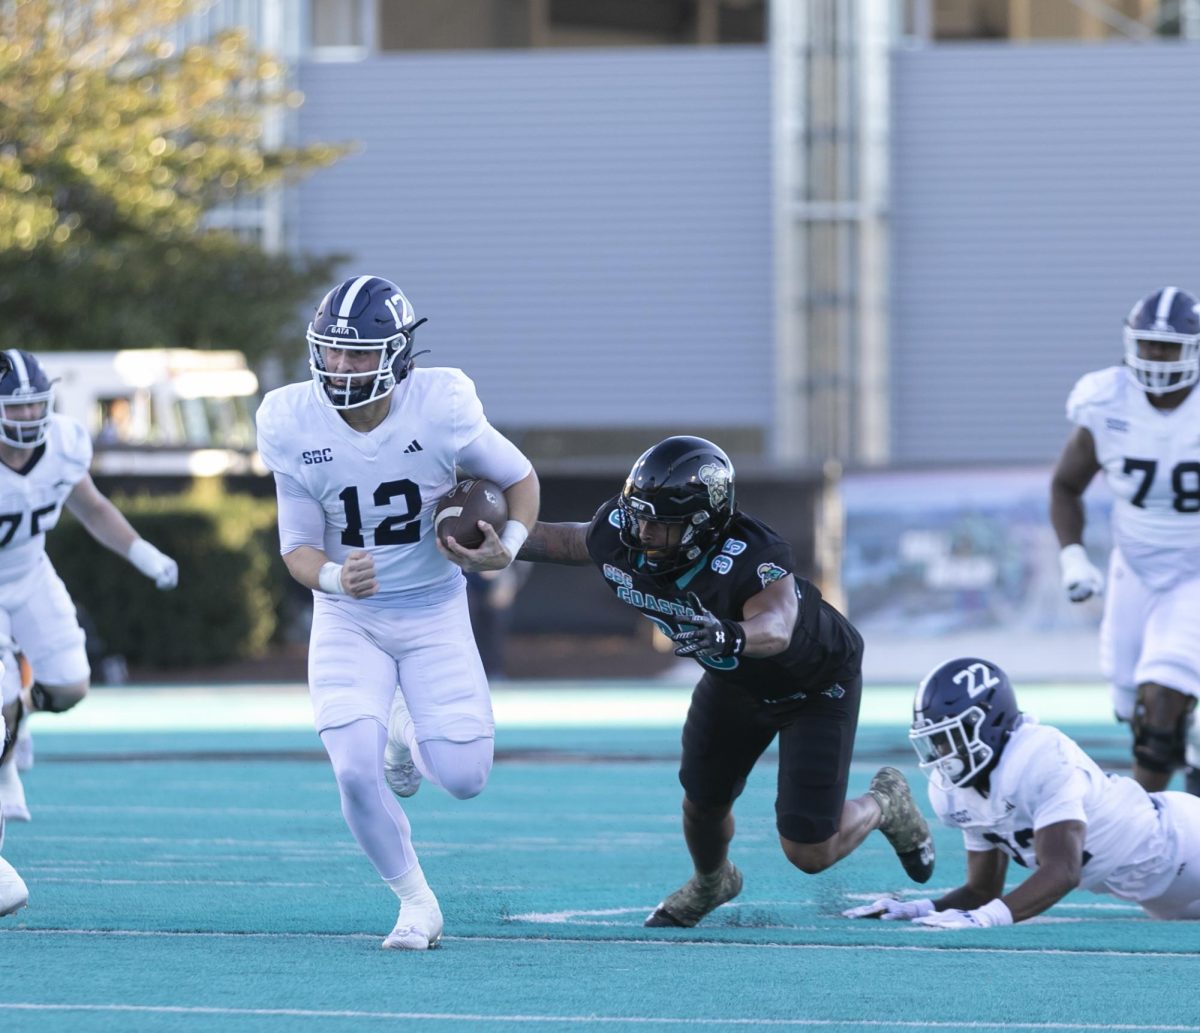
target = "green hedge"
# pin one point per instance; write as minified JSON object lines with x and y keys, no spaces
{"x":231,"y":581}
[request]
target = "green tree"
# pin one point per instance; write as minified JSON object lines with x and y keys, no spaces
{"x":114,"y":145}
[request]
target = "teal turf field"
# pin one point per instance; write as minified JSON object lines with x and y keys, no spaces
{"x":185,"y":875}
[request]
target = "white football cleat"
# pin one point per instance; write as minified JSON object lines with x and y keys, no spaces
{"x":399,"y":768}
{"x":417,"y":929}
{"x":12,"y":792}
{"x":14,"y":894}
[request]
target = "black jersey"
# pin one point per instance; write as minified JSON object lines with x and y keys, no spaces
{"x":749,"y":557}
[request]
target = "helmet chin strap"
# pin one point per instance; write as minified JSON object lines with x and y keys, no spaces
{"x":404,"y":370}
{"x":407,"y":365}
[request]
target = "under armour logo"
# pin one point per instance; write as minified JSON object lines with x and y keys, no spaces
{"x":414,"y":446}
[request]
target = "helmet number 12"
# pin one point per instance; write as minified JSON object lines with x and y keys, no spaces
{"x":404,"y":529}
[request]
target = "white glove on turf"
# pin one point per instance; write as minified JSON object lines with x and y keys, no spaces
{"x":889,"y":909}
{"x":1080,"y":577}
{"x":993,"y":913}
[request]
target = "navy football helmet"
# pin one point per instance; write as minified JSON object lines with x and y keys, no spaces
{"x":687,"y":484}
{"x":364,"y":316}
{"x":26,"y":399}
{"x":1168,"y":316}
{"x":963,"y":714}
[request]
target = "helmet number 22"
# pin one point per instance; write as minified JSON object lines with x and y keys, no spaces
{"x":404,"y":529}
{"x":978,"y":678}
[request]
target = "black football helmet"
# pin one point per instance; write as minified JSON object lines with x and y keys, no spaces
{"x":23,"y":382}
{"x":1168,"y":316}
{"x":362,"y":314}
{"x":963,"y":714}
{"x":681,"y":481}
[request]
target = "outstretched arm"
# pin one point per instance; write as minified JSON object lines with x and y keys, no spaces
{"x":1074,"y":472}
{"x":102,"y":520}
{"x":1076,"y":467}
{"x":985,"y":882}
{"x":557,"y":543}
{"x":1060,"y":862}
{"x":108,"y":526}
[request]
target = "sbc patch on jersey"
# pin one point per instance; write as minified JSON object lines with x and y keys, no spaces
{"x":769,"y":572}
{"x":722,"y":564}
{"x":617,"y":575}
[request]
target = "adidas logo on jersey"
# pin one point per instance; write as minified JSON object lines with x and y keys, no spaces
{"x":1114,"y":424}
{"x":414,"y":446}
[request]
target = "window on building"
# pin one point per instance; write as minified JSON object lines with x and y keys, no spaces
{"x":1052,"y":19}
{"x":480,"y":24}
{"x":339,"y":24}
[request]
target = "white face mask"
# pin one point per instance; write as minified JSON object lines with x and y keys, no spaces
{"x":950,"y":752}
{"x":1160,"y":376}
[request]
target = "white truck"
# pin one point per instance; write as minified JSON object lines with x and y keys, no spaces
{"x":161,"y":411}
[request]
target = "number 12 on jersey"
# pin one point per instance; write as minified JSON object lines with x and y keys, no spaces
{"x":404,"y":529}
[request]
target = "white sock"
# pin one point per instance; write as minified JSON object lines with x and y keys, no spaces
{"x":412,"y":889}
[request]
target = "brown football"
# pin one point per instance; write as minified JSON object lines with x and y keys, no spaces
{"x":458,"y":512}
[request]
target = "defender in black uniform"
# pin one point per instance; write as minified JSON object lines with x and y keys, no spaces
{"x":777,"y":660}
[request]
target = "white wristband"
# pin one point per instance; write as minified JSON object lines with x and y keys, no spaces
{"x":145,"y":557}
{"x":513,"y":537}
{"x":1070,"y":555}
{"x":921,"y":907}
{"x":997,"y":912}
{"x":329,"y":580}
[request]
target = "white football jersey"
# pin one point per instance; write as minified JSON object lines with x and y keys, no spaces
{"x":378,"y":490}
{"x":1151,"y":460}
{"x":1043,"y":778}
{"x":32,"y":500}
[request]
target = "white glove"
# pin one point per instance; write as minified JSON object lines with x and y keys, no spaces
{"x":889,"y":909}
{"x":1080,"y":577}
{"x":157,"y":566}
{"x":993,"y":913}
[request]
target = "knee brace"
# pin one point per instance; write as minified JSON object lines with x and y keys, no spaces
{"x":1160,"y":725}
{"x":55,"y":698}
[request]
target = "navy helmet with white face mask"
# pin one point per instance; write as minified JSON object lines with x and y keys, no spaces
{"x":26,"y":399}
{"x":1168,"y":316}
{"x":362,"y":316}
{"x":963,"y":714}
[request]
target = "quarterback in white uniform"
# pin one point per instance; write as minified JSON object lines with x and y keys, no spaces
{"x":361,"y":454}
{"x":44,"y":459}
{"x":1026,"y":792}
{"x":1140,"y":424}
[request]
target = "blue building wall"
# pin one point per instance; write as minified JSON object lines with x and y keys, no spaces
{"x":589,"y":232}
{"x":1037,"y":193}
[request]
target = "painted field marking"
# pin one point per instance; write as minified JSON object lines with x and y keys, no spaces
{"x":947,"y":948}
{"x":641,"y":1020}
